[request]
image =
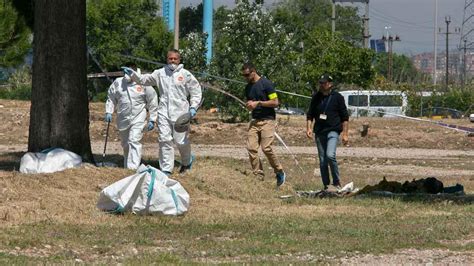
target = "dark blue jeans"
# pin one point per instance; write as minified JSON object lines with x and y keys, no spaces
{"x":327,"y":144}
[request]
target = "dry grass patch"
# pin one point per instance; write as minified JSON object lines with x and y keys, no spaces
{"x":52,"y":218}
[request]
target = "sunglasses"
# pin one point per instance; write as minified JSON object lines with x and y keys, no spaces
{"x":246,"y":74}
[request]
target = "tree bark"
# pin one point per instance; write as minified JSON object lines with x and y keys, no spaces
{"x":59,"y":114}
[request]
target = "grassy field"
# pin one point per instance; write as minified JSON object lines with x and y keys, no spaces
{"x":233,"y":218}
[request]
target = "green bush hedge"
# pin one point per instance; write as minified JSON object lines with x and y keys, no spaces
{"x":457,"y":99}
{"x":22,"y":92}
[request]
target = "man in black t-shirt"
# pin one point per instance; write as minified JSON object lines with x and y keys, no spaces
{"x":331,"y":118}
{"x":261,"y":100}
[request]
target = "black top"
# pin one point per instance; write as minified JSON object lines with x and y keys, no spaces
{"x":333,"y":106}
{"x":261,"y":91}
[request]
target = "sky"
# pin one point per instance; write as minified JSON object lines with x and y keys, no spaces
{"x":412,"y":20}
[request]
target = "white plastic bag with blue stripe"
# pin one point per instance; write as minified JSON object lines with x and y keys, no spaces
{"x":149,"y":191}
{"x":49,"y":161}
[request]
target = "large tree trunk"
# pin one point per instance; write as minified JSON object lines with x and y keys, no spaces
{"x":59,"y":115}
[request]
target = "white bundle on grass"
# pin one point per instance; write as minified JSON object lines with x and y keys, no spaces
{"x":49,"y":161}
{"x":149,"y":191}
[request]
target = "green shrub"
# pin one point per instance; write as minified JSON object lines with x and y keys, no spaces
{"x":457,"y":99}
{"x":22,"y":92}
{"x":100,"y":97}
{"x":18,"y":85}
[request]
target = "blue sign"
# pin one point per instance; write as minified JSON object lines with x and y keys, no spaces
{"x":378,"y":45}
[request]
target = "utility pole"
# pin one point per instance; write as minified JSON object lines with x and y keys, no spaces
{"x":366,"y":25}
{"x":365,"y":19}
{"x":176,"y":25}
{"x":333,"y":17}
{"x":447,"y":20}
{"x":464,"y":65}
{"x":390,"y":39}
{"x":456,"y":30}
{"x":435,"y":49}
{"x":387,"y":33}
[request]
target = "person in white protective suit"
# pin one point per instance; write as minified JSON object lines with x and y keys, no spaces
{"x":131,"y":101}
{"x":175,"y":85}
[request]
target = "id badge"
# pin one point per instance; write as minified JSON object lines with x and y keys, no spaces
{"x":323,"y":117}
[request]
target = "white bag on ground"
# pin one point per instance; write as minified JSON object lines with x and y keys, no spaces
{"x":49,"y":161}
{"x":149,"y":191}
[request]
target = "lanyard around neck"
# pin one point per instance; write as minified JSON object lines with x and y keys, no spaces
{"x":327,"y":104}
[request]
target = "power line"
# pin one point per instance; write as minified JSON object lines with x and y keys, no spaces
{"x":412,"y":27}
{"x":209,"y":75}
{"x":411,"y":23}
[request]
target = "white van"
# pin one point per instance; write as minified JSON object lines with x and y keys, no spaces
{"x":375,"y":103}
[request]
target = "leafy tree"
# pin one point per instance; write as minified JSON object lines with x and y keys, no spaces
{"x":59,"y":115}
{"x":403,"y":68}
{"x":193,"y":51}
{"x":220,"y":18}
{"x":25,"y":10}
{"x":249,"y":33}
{"x":285,"y":48}
{"x":116,"y":28}
{"x":14,"y":36}
{"x":190,"y":19}
{"x":332,"y":54}
{"x":300,"y":16}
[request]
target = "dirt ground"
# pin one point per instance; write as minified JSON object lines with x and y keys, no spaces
{"x":207,"y":129}
{"x":398,"y":149}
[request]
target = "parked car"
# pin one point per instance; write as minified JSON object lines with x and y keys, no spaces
{"x":289,"y":111}
{"x":443,"y":112}
{"x":471,"y":118}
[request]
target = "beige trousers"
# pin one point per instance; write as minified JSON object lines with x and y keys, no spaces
{"x":261,"y":133}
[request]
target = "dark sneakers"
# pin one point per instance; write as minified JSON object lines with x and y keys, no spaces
{"x":280,"y":177}
{"x":185,"y":168}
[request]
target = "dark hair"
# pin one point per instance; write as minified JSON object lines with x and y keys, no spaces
{"x":174,"y":51}
{"x":248,"y":66}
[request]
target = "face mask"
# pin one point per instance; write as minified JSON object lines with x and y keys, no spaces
{"x":172,"y":66}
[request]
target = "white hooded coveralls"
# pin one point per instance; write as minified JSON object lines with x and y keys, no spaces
{"x":131,"y":102}
{"x":174,"y":88}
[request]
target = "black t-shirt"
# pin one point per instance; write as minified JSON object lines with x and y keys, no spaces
{"x":262,"y":90}
{"x":333,"y":106}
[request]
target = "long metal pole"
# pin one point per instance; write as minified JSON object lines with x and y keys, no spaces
{"x":390,"y":51}
{"x":176,"y":25}
{"x":386,"y":37}
{"x":207,"y":27}
{"x":333,"y":17}
{"x":448,"y":20}
{"x":464,"y":74}
{"x":366,"y":26}
{"x":171,"y":13}
{"x":435,"y":49}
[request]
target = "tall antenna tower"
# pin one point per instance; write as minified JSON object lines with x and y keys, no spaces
{"x":467,"y":28}
{"x":466,"y":41}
